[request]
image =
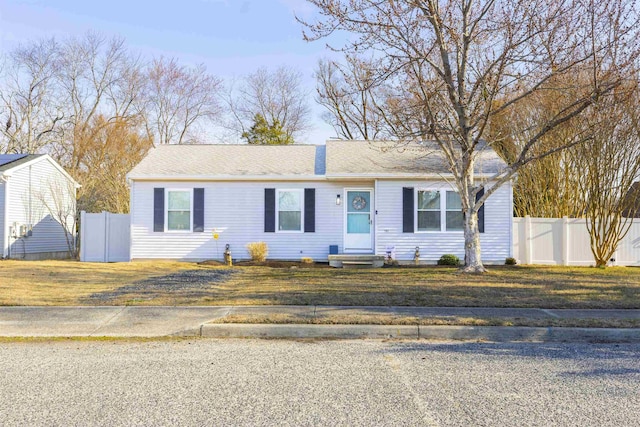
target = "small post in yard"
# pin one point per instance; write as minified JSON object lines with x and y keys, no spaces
{"x":227,"y":256}
{"x":416,"y":256}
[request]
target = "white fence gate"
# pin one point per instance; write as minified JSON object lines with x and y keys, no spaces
{"x":104,"y":237}
{"x":564,"y":241}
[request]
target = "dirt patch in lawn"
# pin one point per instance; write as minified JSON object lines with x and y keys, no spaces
{"x":186,"y":284}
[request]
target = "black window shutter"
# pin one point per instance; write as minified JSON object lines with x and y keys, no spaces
{"x":480,"y":211}
{"x":269,"y":210}
{"x":158,"y":209}
{"x":407,"y":210}
{"x":309,"y":210}
{"x":198,"y":210}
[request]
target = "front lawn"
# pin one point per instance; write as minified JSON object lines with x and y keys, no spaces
{"x":173,"y":283}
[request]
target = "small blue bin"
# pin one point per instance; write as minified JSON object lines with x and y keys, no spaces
{"x":333,"y":249}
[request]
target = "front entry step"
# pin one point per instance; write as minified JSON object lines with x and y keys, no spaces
{"x":356,"y":261}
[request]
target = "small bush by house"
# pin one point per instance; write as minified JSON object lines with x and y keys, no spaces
{"x":449,"y":259}
{"x":258,"y":251}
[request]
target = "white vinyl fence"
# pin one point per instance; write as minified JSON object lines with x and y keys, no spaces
{"x":104,"y":237}
{"x":564,"y":241}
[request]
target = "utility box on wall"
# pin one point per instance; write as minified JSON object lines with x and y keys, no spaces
{"x":333,"y":249}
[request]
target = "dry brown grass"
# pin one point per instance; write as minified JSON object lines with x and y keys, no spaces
{"x":71,"y":283}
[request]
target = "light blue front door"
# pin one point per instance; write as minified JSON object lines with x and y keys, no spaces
{"x":358,"y":208}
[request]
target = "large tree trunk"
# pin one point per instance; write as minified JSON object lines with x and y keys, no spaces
{"x":472,"y":254}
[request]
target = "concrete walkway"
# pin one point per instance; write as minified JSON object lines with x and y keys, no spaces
{"x":139,"y":321}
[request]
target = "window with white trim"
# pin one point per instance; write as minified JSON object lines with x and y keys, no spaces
{"x":179,"y":210}
{"x":428,"y":211}
{"x":454,"y":212}
{"x":438,"y":210}
{"x":289,"y":210}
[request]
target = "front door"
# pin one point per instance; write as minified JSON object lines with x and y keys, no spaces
{"x":358,"y":236}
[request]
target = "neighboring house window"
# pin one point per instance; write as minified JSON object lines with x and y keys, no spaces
{"x":178,"y":210}
{"x":289,"y":210}
{"x":454,"y":212}
{"x":428,"y":211}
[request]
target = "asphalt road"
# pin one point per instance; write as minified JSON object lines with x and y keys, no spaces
{"x":247,"y":382}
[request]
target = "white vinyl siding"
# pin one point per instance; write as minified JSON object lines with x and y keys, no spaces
{"x":237,"y":209}
{"x":26,"y":185}
{"x":495,"y":241}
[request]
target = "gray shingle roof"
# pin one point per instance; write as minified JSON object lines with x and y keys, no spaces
{"x":230,"y":159}
{"x":392,"y":157}
{"x":10,"y":161}
{"x":335,"y":159}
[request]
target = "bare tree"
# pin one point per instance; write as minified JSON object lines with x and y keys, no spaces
{"x":547,"y":187}
{"x":352,"y":99}
{"x":97,"y":76}
{"x":29,"y":109}
{"x":111,"y":152}
{"x":177,"y":99}
{"x":609,"y":165}
{"x":278,"y":96}
{"x":467,"y":61}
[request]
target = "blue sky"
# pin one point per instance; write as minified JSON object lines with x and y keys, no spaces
{"x":231,"y":37}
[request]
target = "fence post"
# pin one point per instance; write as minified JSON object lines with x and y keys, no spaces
{"x":105,"y":253}
{"x":528,"y":240}
{"x":82,"y":235}
{"x":565,"y":240}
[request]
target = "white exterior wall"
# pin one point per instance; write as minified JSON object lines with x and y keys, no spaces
{"x":495,"y":241}
{"x":25,"y":207}
{"x":238,"y":207}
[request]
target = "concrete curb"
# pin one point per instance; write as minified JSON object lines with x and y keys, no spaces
{"x":464,"y":333}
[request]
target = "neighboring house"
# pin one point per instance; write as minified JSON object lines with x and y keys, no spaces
{"x":360,"y":196}
{"x":632,"y":201}
{"x":35,"y":192}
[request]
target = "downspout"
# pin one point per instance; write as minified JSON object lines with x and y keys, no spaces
{"x":5,"y":213}
{"x":375,"y":217}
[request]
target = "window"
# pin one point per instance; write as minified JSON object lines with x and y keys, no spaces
{"x":289,"y":210}
{"x":454,"y":212}
{"x":178,"y":210}
{"x":428,"y":211}
{"x":438,"y":211}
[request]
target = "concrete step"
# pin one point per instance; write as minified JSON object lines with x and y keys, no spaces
{"x":356,"y":261}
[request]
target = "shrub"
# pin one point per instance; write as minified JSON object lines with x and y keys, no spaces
{"x":306,"y":260}
{"x":449,"y":259}
{"x":258,"y":251}
{"x":510,"y":261}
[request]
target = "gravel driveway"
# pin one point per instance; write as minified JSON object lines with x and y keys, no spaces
{"x":187,"y":283}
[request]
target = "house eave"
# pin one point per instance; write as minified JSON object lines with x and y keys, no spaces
{"x":226,"y":177}
{"x":397,"y":176}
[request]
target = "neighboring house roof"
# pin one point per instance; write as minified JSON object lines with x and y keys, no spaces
{"x":9,"y":163}
{"x":335,"y":159}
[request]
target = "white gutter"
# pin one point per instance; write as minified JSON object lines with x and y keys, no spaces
{"x":226,"y":177}
{"x":341,"y":177}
